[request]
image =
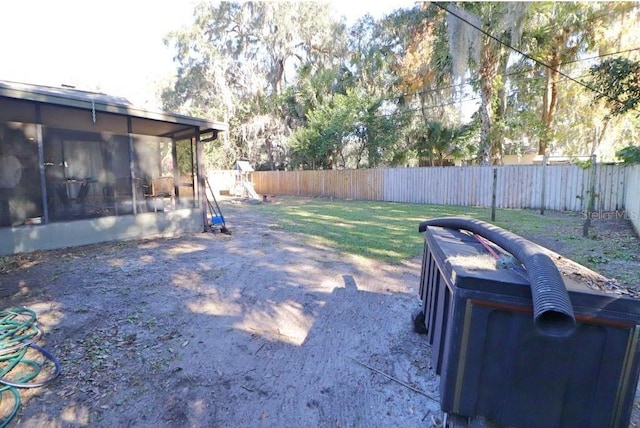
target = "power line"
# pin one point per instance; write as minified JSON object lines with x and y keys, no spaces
{"x":515,"y":73}
{"x":404,"y":112}
{"x":434,"y":106}
{"x":537,"y":61}
{"x":600,"y":56}
{"x":455,"y":102}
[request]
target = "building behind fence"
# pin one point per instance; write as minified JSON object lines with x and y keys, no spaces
{"x":552,"y":187}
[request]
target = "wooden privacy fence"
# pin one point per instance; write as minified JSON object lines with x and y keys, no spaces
{"x":632,"y":196}
{"x":554,"y":187}
{"x":361,"y":184}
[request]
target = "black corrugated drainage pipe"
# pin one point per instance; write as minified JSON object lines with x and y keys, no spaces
{"x":552,"y":309}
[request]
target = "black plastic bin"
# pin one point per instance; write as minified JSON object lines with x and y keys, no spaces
{"x":495,"y":358}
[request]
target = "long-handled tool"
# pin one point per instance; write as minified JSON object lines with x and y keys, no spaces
{"x":217,"y":219}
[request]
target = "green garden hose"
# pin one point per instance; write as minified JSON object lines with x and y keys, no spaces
{"x":18,"y":370}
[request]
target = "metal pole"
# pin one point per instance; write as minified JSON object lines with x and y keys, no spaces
{"x":200,"y":180}
{"x":42,"y":170}
{"x":544,"y":184}
{"x":591,"y":200}
{"x":493,"y":196}
{"x":132,"y":167}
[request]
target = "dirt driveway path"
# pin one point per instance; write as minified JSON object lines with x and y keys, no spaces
{"x":260,"y":328}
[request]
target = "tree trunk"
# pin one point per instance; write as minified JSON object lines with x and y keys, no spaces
{"x":360,"y":152}
{"x":486,"y":112}
{"x":278,"y":73}
{"x":599,"y":134}
{"x":487,"y":72}
{"x":500,"y":114}
{"x":269,"y":149}
{"x":549,"y":103}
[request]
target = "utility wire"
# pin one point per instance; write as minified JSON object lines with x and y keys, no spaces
{"x":455,"y":102}
{"x":405,"y":112}
{"x":537,"y":61}
{"x":514,"y":73}
{"x":460,"y":101}
{"x":600,"y":56}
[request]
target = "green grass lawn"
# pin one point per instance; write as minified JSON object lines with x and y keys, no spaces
{"x":380,"y":230}
{"x":389,"y":231}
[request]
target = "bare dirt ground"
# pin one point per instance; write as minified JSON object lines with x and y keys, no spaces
{"x":258,"y":328}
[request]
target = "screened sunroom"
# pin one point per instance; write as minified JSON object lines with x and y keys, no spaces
{"x":80,"y":167}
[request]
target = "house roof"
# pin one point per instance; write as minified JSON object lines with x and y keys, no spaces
{"x":152,"y":123}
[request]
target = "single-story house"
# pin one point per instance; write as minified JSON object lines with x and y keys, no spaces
{"x":80,"y":168}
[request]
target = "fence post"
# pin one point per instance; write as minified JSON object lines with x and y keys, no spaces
{"x":544,"y":184}
{"x":591,"y":201}
{"x":493,"y":196}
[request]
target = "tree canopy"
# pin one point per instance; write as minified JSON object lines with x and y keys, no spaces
{"x":467,"y":82}
{"x":617,"y":81}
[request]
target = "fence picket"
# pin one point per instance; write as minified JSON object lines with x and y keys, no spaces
{"x":518,"y":186}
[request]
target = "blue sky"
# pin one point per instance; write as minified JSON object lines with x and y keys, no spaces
{"x":115,"y":46}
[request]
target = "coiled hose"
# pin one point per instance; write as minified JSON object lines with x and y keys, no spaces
{"x":17,"y":368}
{"x":552,"y":310}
